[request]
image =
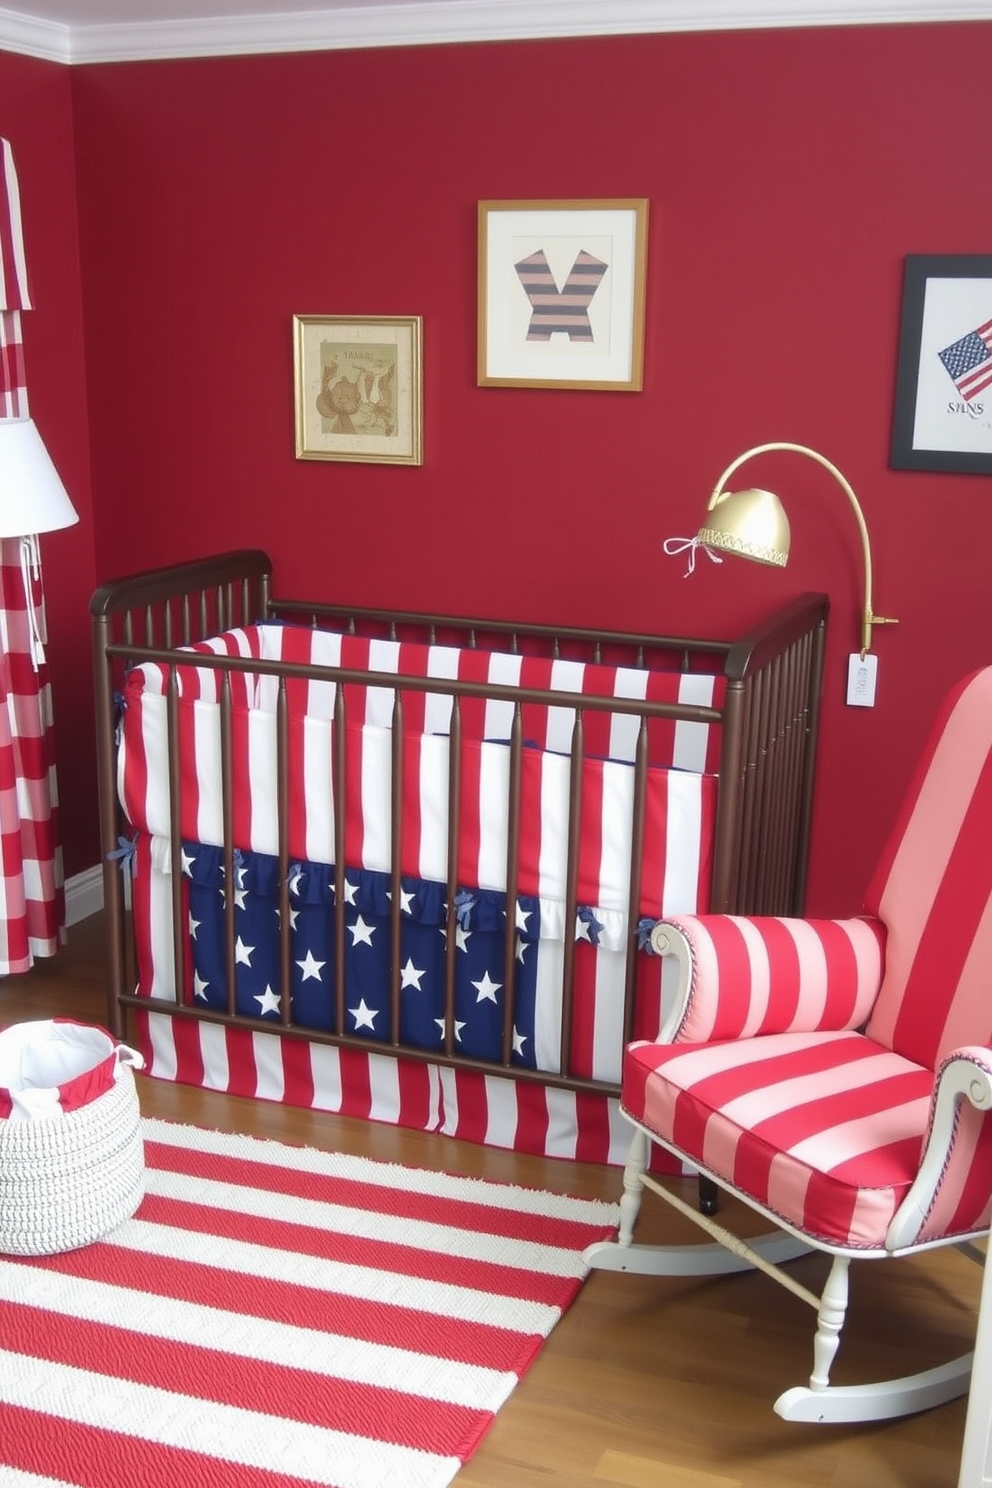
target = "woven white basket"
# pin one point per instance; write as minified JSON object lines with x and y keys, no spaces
{"x":68,"y":1176}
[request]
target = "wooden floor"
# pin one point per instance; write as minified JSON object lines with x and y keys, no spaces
{"x":645,"y":1382}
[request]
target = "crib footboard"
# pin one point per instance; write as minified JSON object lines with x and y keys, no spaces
{"x":404,"y":867}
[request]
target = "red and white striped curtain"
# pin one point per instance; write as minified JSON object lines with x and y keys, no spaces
{"x":32,"y":897}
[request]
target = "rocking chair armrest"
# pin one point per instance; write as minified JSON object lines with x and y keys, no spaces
{"x":745,"y":975}
{"x":945,"y":1196}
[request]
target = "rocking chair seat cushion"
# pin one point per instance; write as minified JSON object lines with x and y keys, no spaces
{"x":825,"y":1130}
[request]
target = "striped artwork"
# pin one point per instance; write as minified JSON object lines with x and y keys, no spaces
{"x":562,"y":311}
{"x":277,"y":1317}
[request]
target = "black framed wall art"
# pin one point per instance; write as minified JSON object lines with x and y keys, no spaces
{"x":943,"y":404}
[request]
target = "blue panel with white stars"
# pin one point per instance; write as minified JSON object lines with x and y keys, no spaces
{"x":479,"y":961}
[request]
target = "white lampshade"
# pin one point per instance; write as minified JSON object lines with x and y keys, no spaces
{"x":32,"y":497}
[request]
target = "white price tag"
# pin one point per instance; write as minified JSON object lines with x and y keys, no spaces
{"x":862,"y":672}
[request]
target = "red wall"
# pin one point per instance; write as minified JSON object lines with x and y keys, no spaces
{"x":789,"y":173}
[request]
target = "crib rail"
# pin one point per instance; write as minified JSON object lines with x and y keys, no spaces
{"x":768,"y":725}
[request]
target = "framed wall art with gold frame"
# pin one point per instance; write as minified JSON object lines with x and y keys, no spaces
{"x":358,"y":388}
{"x":561,"y":294}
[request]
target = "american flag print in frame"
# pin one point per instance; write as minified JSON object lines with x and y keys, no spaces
{"x":358,"y":388}
{"x":561,"y":294}
{"x":943,"y":405}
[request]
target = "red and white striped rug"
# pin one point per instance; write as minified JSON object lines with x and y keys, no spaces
{"x":277,"y":1316}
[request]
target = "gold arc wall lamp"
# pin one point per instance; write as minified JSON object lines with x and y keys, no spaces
{"x":753,"y":524}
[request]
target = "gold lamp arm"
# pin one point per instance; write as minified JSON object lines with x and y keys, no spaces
{"x":868,"y":617}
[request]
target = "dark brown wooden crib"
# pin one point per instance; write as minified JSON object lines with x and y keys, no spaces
{"x":449,"y":838}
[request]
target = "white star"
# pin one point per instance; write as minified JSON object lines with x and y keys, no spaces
{"x":294,"y":880}
{"x":461,"y":937}
{"x":194,"y":925}
{"x":350,"y":892}
{"x":268,"y":1002}
{"x":523,"y":915}
{"x":487,"y":989}
{"x":522,"y":946}
{"x":582,"y":928}
{"x":406,"y":902}
{"x":458,"y":1029}
{"x":364,"y":1016}
{"x":361,"y":933}
{"x":519,"y":1039}
{"x":310,"y":967}
{"x":188,"y":859}
{"x":410,"y":976}
{"x":240,"y":892}
{"x":242,"y":953}
{"x":199,"y":986}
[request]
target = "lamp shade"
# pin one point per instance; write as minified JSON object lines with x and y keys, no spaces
{"x":751,"y":523}
{"x":32,"y":496}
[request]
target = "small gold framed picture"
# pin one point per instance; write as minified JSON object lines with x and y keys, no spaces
{"x":358,"y":386}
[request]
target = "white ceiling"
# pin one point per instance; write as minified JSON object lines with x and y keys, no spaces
{"x":129,"y":30}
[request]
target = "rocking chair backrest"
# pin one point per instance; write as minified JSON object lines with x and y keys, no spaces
{"x":933,"y":890}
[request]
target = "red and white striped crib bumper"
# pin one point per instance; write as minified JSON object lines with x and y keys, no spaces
{"x":824,"y":1129}
{"x":678,"y":743}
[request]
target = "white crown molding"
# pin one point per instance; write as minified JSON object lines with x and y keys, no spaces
{"x":438,"y":21}
{"x":31,"y":37}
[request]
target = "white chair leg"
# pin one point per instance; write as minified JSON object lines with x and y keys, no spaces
{"x":633,"y":1190}
{"x":829,"y":1322}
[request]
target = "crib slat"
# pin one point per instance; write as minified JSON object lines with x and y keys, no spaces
{"x":175,"y":838}
{"x":285,"y":919}
{"x":396,"y":857}
{"x":454,"y":836}
{"x":636,"y":861}
{"x":340,"y":767}
{"x":227,"y":800}
{"x":512,"y":883}
{"x":576,"y":759}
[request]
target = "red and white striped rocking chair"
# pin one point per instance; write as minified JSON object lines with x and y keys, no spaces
{"x":836,"y":1075}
